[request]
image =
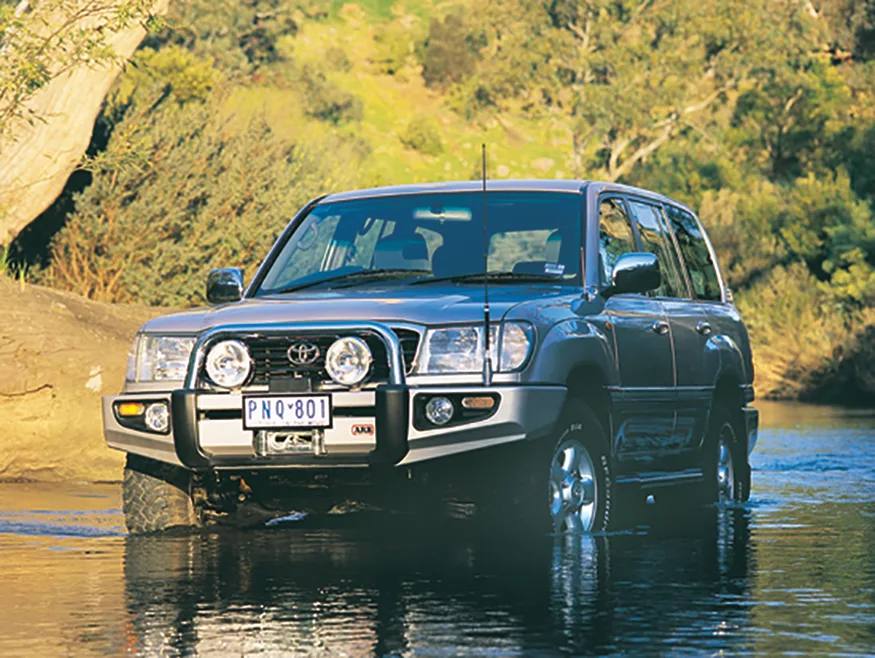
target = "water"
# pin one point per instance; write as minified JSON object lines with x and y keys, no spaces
{"x":791,"y":573}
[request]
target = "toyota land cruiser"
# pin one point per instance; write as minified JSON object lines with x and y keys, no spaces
{"x":531,"y":346}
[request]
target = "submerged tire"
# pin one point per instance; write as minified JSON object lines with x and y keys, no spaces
{"x":156,"y":496}
{"x":564,"y":482}
{"x":577,"y":481}
{"x":727,"y":472}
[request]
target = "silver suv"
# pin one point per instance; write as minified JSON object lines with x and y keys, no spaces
{"x":528,"y":349}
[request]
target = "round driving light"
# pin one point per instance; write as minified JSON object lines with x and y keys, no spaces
{"x":228,"y":364}
{"x":157,"y":417}
{"x":348,"y":360}
{"x":439,"y":411}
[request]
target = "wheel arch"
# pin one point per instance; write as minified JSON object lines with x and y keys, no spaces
{"x":727,"y":392}
{"x":728,"y":395}
{"x":588,"y":382}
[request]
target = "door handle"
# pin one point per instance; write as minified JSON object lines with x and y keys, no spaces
{"x":660,"y":327}
{"x":704,"y":328}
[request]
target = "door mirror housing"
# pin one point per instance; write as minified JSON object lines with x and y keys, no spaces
{"x":634,"y":273}
{"x":225,"y":285}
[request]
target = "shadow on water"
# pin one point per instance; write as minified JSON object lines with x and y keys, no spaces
{"x":367,"y":584}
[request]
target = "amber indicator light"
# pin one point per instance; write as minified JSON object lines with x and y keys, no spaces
{"x":479,"y":402}
{"x":131,"y":409}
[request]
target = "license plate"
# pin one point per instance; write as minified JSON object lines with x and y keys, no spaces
{"x":286,"y":411}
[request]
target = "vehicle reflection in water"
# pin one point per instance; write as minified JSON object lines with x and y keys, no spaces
{"x":371,"y":585}
{"x":791,"y":572}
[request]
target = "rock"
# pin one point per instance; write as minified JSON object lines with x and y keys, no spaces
{"x":59,"y":353}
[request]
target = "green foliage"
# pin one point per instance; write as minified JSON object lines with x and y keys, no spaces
{"x":851,"y":27}
{"x":397,"y":44}
{"x":337,"y":60}
{"x":41,"y":40}
{"x":239,"y":37}
{"x":423,"y":135}
{"x":758,"y":113}
{"x":448,"y":55}
{"x":325,"y":100}
{"x":175,"y":71}
{"x":787,"y":123}
{"x":795,"y":329}
{"x":212,"y":193}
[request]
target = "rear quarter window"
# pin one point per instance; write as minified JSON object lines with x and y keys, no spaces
{"x":697,"y":257}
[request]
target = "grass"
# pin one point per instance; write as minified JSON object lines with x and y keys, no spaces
{"x":12,"y":270}
{"x":519,"y":146}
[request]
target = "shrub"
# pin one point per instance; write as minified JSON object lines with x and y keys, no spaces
{"x":325,"y":100}
{"x":397,"y":44}
{"x":795,"y":327}
{"x":448,"y":56}
{"x":422,"y":134}
{"x":204,"y":193}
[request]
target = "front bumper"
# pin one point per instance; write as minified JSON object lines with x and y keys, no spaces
{"x":207,"y":428}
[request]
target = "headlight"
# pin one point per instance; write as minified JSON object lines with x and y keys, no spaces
{"x":348,"y":360}
{"x":460,"y":349}
{"x":159,"y":358}
{"x":228,"y":364}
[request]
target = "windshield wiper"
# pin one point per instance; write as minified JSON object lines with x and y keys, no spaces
{"x":357,"y":274}
{"x":474,"y":277}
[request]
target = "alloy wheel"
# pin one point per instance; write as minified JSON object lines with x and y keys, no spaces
{"x":573,"y":491}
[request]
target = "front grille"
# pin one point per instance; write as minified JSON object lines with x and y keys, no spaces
{"x":271,"y":361}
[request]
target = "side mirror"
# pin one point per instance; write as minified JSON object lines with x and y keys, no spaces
{"x":225,"y":285}
{"x":634,"y":273}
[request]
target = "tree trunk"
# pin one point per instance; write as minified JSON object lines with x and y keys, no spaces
{"x":37,"y":158}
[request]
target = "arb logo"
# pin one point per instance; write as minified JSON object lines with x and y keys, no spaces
{"x":363,"y":429}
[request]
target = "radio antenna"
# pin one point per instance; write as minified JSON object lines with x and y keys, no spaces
{"x":487,"y":357}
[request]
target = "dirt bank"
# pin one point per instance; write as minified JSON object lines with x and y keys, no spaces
{"x":58,"y":354}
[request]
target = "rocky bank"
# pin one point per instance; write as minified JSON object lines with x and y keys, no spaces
{"x":58,"y":354}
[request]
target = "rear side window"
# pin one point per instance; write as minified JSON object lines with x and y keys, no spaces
{"x":694,"y":249}
{"x":655,"y":239}
{"x":615,"y":235}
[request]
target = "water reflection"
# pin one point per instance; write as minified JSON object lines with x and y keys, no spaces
{"x":793,"y":572}
{"x":372,"y":585}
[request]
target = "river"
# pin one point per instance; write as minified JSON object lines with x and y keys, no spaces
{"x":792,"y":572}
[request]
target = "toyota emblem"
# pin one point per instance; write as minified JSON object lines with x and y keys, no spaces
{"x":303,"y":354}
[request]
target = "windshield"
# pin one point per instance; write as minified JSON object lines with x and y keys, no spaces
{"x":401,"y":239}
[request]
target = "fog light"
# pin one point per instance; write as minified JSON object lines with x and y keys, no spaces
{"x":439,"y":411}
{"x":157,"y":417}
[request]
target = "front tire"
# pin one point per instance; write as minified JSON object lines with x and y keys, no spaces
{"x":156,"y":496}
{"x":577,"y":477}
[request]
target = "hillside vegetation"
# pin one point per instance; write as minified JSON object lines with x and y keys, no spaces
{"x":759,"y":113}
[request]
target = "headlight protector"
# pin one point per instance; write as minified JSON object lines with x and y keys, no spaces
{"x":159,"y":358}
{"x":460,"y":349}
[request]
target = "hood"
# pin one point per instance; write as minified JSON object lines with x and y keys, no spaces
{"x":426,"y":304}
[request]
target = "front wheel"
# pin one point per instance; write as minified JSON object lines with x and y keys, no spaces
{"x":156,"y":496}
{"x":579,"y":483}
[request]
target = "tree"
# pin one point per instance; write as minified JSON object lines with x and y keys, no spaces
{"x":182,"y":187}
{"x":631,"y":75}
{"x":59,"y":59}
